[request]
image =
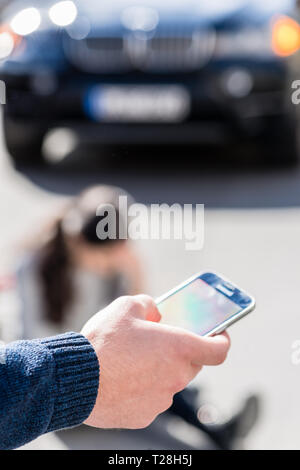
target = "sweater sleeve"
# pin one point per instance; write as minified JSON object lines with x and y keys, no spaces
{"x":45,"y":385}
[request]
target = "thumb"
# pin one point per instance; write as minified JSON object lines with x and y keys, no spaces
{"x":210,"y":351}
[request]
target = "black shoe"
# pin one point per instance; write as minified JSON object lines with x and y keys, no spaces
{"x":223,"y":435}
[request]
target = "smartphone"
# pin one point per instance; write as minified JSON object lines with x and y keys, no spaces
{"x":205,"y":304}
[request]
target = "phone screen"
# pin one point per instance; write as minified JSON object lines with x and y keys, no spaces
{"x":197,"y":307}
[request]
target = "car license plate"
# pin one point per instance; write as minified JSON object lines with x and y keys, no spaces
{"x":110,"y":103}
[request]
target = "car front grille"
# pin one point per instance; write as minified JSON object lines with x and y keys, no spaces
{"x":175,"y":53}
{"x":105,"y":54}
{"x":164,"y":52}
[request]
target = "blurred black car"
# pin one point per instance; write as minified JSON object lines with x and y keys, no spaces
{"x":149,"y":71}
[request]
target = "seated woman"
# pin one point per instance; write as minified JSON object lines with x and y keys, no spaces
{"x":72,"y":272}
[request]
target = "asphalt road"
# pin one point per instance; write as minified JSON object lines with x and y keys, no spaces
{"x":252,"y":233}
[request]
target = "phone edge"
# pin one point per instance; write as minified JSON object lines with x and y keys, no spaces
{"x":220,"y":328}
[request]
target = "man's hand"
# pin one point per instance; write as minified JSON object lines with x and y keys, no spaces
{"x":143,"y":363}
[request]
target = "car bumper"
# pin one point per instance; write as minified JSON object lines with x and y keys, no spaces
{"x":215,"y":116}
{"x":152,"y":134}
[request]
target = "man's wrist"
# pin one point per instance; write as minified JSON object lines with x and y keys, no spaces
{"x":76,"y":379}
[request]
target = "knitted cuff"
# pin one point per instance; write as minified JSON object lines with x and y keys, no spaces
{"x":76,"y":380}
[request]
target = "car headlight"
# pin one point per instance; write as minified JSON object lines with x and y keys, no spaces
{"x":8,"y":41}
{"x":280,"y":37}
{"x":26,"y":21}
{"x":7,"y":44}
{"x":285,"y":36}
{"x":63,"y":13}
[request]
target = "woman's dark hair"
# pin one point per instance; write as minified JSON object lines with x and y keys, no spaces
{"x":79,"y":220}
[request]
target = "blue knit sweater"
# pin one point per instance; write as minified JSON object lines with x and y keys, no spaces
{"x":45,"y":385}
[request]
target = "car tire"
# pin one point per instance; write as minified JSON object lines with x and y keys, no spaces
{"x":24,"y":141}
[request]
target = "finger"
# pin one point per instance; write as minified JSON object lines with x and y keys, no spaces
{"x":198,"y":350}
{"x":148,"y":309}
{"x":194,"y":371}
{"x":209,"y":351}
{"x":189,"y":372}
{"x":224,"y":333}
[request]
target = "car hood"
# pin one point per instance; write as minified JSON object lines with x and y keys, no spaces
{"x":210,"y":12}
